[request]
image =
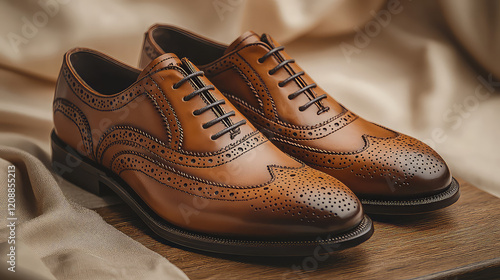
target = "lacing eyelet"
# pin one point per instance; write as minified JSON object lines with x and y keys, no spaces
{"x":270,"y":72}
{"x":184,"y":99}
{"x":290,"y":97}
{"x":280,"y":84}
{"x":260,"y":60}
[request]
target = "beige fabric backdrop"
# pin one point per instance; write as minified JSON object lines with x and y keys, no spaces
{"x":426,"y":68}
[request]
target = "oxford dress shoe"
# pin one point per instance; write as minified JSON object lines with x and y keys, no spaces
{"x":390,"y":172}
{"x":190,"y":165}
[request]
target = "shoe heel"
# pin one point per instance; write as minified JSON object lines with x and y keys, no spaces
{"x":68,"y":164}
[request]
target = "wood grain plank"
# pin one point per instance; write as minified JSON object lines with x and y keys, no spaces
{"x":459,"y":242}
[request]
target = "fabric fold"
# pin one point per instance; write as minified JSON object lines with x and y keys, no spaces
{"x":58,"y":239}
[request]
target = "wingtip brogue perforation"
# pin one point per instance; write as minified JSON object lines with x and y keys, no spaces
{"x":278,"y":97}
{"x":167,"y":142}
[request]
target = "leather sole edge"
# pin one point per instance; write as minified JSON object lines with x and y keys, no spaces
{"x":87,"y":175}
{"x":414,"y":206}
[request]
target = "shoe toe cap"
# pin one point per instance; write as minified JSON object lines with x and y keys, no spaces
{"x":400,"y":167}
{"x":307,"y":202}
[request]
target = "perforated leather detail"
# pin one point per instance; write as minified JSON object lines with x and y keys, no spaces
{"x":101,"y":103}
{"x":246,"y":190}
{"x":302,"y":192}
{"x":320,"y":196}
{"x":150,"y":51}
{"x":78,"y":118}
{"x":164,"y":107}
{"x":398,"y":159}
{"x":394,"y":167}
{"x":251,"y":76}
{"x":292,"y":132}
{"x":129,"y":136}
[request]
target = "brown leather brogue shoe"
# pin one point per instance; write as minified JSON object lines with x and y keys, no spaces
{"x":166,"y":141}
{"x":390,"y":172}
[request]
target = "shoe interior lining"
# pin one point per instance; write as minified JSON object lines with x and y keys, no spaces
{"x":197,"y":50}
{"x":101,"y":74}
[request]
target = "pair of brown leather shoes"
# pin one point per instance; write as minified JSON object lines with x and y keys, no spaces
{"x":185,"y":155}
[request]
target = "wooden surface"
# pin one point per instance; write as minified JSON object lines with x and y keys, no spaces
{"x":459,"y":242}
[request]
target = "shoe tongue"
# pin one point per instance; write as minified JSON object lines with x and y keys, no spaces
{"x":246,"y":38}
{"x":160,"y":62}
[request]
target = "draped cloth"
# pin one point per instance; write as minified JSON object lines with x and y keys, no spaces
{"x":429,"y":69}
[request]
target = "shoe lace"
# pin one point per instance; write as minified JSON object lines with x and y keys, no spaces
{"x":293,"y":77}
{"x":200,"y":111}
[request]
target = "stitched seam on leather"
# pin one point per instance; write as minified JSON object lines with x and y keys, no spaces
{"x":364,"y":148}
{"x":84,"y":90}
{"x":292,"y":126}
{"x":60,"y":102}
{"x":273,"y":105}
{"x":165,"y":120}
{"x":232,"y":96}
{"x":166,"y":123}
{"x":367,"y":144}
{"x":189,"y":153}
{"x":249,"y":84}
{"x":173,"y":112}
{"x":328,"y":167}
{"x":277,"y":135}
{"x":226,"y":56}
{"x":220,"y":61}
{"x":186,"y":192}
{"x":161,"y":158}
{"x":244,"y":39}
{"x":395,"y":132}
{"x":158,"y":63}
{"x":74,"y":122}
{"x":111,"y":130}
{"x":300,"y":81}
{"x":185,"y":175}
{"x":180,"y":70}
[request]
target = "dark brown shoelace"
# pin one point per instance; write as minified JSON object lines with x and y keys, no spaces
{"x":209,"y":106}
{"x":293,"y":77}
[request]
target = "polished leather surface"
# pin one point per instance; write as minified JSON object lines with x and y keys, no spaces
{"x":139,"y":125}
{"x":373,"y":161}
